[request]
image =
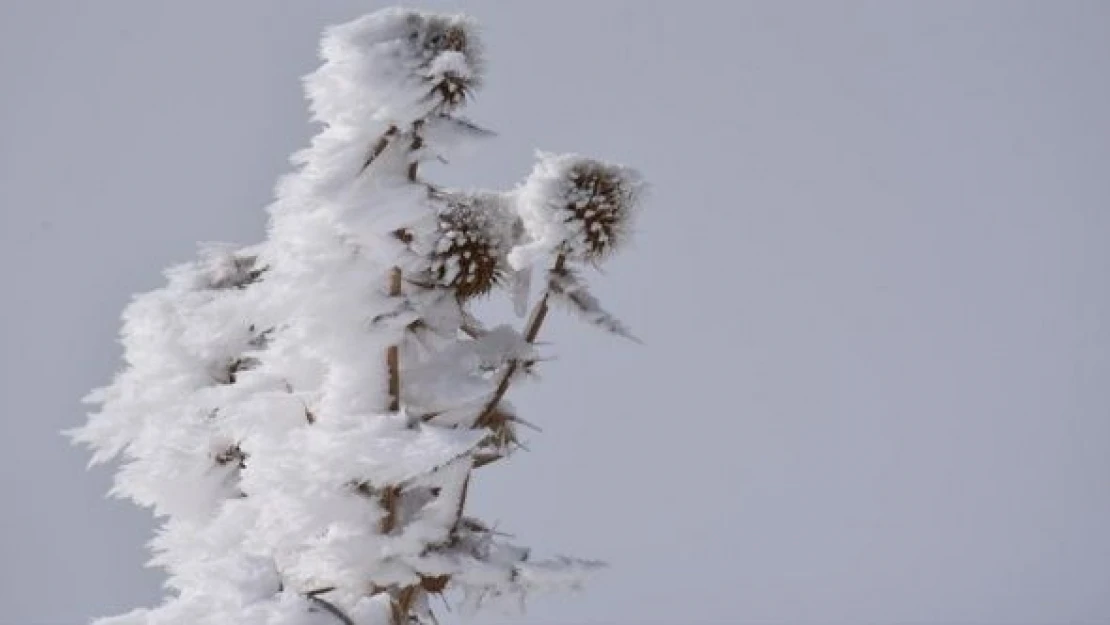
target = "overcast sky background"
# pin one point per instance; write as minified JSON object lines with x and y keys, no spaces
{"x":872,"y":280}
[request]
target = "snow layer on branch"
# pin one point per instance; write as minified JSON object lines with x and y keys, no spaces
{"x":183,"y":344}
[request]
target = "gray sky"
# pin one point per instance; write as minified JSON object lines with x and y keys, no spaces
{"x":872,"y":280}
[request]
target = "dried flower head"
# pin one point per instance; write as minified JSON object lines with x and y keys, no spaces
{"x":452,"y":59}
{"x":575,"y":206}
{"x":469,"y":245}
{"x":397,"y":66}
{"x":598,"y":206}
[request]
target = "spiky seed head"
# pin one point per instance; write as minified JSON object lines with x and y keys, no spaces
{"x":371,"y":64}
{"x":578,"y":207}
{"x":598,"y":207}
{"x":452,"y":55}
{"x":469,"y":247}
{"x":444,"y":36}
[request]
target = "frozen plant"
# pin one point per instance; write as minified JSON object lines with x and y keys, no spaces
{"x":305,"y":415}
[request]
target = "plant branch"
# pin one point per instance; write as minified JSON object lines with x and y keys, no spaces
{"x":417,"y":143}
{"x":531,"y":331}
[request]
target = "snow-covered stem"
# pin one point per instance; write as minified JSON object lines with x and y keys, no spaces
{"x":393,"y":357}
{"x":391,"y":495}
{"x":484,"y":420}
{"x":305,"y":414}
{"x":531,"y":331}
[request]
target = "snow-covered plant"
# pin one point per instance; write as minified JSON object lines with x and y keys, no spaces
{"x":305,"y":415}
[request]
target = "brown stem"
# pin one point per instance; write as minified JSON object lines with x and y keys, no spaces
{"x":417,"y":143}
{"x":462,"y":498}
{"x":392,"y":354}
{"x":390,"y":497}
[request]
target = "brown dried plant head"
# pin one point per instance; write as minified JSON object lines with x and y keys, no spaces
{"x":469,"y":246}
{"x":577,"y":208}
{"x":447,"y":41}
{"x":599,"y":207}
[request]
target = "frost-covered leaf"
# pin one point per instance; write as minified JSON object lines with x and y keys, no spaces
{"x":565,"y":286}
{"x":449,"y":135}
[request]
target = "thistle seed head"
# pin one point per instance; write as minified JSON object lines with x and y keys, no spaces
{"x":452,"y":60}
{"x":469,"y":247}
{"x":579,"y":207}
{"x":598,"y":207}
{"x":398,"y":65}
